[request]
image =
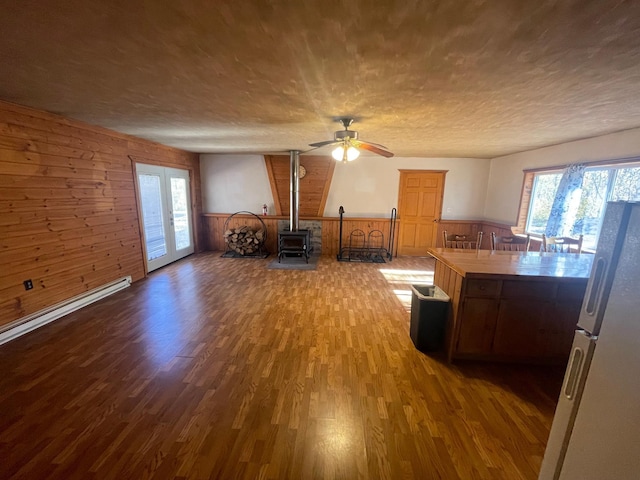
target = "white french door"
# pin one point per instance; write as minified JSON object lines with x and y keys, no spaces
{"x":166,"y":214}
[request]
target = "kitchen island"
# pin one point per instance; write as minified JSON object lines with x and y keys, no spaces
{"x":511,"y":306}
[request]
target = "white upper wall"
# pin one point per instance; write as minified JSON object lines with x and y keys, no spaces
{"x":231,"y":183}
{"x":506,"y":173}
{"x":366,"y":187}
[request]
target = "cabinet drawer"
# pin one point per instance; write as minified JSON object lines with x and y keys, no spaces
{"x":527,"y":289}
{"x":482,"y":288}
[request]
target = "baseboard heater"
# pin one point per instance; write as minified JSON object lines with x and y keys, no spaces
{"x":35,"y":320}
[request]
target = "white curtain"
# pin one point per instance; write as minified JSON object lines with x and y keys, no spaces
{"x":566,"y":202}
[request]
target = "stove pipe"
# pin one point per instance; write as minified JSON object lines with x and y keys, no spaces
{"x":294,"y":190}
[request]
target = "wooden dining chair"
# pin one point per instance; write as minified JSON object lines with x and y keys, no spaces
{"x":512,"y":243}
{"x":562,"y":244}
{"x":465,"y":241}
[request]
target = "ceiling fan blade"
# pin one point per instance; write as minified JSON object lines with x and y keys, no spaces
{"x":322,"y":144}
{"x":374,"y":144}
{"x":372,"y":148}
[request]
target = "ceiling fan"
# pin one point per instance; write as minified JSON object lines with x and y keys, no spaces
{"x":348,"y":144}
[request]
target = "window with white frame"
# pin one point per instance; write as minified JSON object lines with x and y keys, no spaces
{"x":601,"y":184}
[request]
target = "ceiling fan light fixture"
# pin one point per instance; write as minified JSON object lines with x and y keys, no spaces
{"x":348,"y":144}
{"x":342,"y":155}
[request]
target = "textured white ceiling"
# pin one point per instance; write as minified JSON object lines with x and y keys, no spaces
{"x":425,"y":78}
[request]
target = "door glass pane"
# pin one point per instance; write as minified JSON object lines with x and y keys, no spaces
{"x":152,"y":216}
{"x":179,"y":200}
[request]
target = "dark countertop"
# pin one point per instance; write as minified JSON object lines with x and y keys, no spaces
{"x":483,"y":263}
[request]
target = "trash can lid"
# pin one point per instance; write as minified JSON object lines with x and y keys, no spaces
{"x":430,"y":293}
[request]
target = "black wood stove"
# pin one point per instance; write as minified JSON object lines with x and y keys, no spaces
{"x":294,"y":244}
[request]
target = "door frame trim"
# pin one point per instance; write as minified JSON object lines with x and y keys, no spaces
{"x":196,"y":221}
{"x":420,"y":170}
{"x":190,"y":206}
{"x":136,"y":191}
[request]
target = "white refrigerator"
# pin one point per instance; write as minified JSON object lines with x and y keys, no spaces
{"x":595,"y":433}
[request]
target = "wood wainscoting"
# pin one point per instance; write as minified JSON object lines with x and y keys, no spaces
{"x":502,"y":229}
{"x":213,"y":227}
{"x":213,"y":230}
{"x":460,"y":227}
{"x":68,"y":212}
{"x":472,"y":227}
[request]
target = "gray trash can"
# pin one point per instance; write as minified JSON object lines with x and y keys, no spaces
{"x":429,"y":305}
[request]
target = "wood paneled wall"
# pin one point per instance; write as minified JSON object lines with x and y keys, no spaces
{"x":450,"y":282}
{"x":213,"y":230}
{"x":460,"y":227}
{"x":213,"y":226}
{"x":314,"y":187}
{"x":68,"y":212}
{"x":502,"y":229}
{"x":472,"y":227}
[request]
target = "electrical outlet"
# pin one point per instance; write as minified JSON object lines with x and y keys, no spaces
{"x":28,"y":284}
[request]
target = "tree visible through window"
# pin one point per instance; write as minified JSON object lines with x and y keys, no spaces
{"x":627,"y":184}
{"x":544,"y":191}
{"x":600,"y":185}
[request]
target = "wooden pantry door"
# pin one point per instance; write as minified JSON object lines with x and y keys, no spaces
{"x":419,"y":210}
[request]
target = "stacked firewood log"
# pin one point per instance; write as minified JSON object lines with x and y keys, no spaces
{"x":244,"y":240}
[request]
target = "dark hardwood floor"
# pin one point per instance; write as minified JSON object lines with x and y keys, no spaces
{"x":221,"y":368}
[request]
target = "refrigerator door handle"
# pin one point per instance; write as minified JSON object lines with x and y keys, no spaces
{"x":593,"y":295}
{"x":573,"y":373}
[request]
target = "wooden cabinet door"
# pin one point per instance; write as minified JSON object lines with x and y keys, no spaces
{"x":560,"y":327}
{"x":478,"y":325}
{"x":419,"y":210}
{"x":521,"y":329}
{"x":557,"y":330}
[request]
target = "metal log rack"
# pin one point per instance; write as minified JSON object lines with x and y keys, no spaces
{"x":260,"y":253}
{"x":367,"y":247}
